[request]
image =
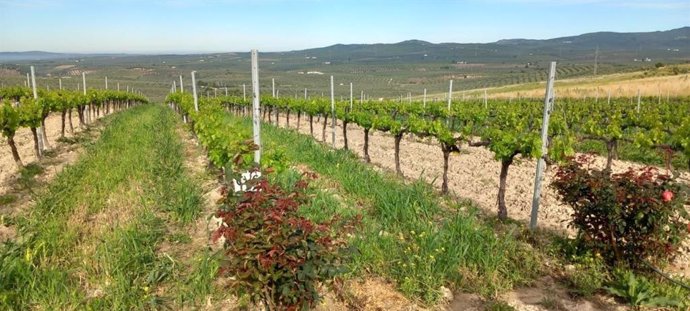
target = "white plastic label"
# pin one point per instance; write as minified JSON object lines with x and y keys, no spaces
{"x":241,"y":186}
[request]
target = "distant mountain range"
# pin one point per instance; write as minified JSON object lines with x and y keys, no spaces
{"x":40,"y":55}
{"x":670,"y":45}
{"x":664,"y":45}
{"x":675,"y":38}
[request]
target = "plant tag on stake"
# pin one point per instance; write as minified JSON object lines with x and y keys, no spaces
{"x":241,"y":185}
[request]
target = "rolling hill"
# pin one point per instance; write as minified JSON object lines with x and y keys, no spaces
{"x":621,"y":47}
{"x":379,"y":70}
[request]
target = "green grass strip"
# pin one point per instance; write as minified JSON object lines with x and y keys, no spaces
{"x":90,"y":241}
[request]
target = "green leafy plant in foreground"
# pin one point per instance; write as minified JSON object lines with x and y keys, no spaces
{"x":588,"y":274}
{"x":638,"y":291}
{"x":277,"y":257}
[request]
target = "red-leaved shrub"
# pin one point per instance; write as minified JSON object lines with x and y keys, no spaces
{"x":277,"y":257}
{"x":626,"y":217}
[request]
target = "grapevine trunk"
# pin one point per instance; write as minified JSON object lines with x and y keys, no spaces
{"x":323,"y":130}
{"x":15,"y":153}
{"x":446,"y":155}
{"x":34,"y":132}
{"x":345,"y":134}
{"x":62,"y":127}
{"x":502,"y":209}
{"x":80,"y":112}
{"x":398,"y":138}
{"x":69,"y":116}
{"x":610,"y":150}
{"x":366,"y":146}
{"x":299,"y":117}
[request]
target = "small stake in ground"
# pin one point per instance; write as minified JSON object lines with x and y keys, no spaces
{"x":450,"y":94}
{"x":541,"y":163}
{"x":351,"y":99}
{"x":196,"y":99}
{"x":332,"y":113}
{"x":83,"y":84}
{"x":609,"y":99}
{"x":256,"y":117}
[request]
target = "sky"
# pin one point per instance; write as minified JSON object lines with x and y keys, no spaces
{"x":188,"y":26}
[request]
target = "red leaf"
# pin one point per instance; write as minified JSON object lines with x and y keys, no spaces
{"x":216,"y":235}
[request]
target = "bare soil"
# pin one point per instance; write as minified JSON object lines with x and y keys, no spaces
{"x":548,"y":295}
{"x":25,"y":146}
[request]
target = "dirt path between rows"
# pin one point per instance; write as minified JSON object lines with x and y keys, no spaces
{"x":473,"y":174}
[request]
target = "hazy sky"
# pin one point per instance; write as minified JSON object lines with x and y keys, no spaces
{"x":152,"y":26}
